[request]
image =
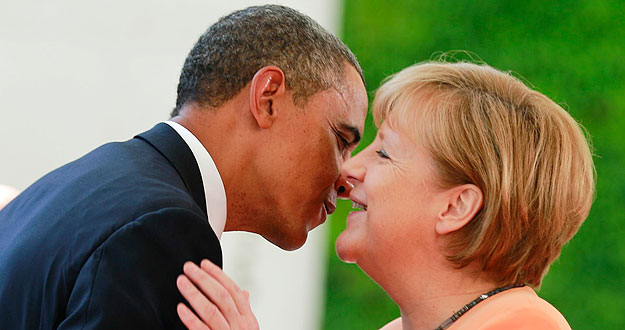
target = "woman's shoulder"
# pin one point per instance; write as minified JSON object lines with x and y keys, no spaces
{"x":515,"y":309}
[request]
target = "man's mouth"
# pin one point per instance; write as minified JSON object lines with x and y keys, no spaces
{"x":329,"y":206}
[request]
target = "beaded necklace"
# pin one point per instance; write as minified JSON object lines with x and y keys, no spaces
{"x":448,"y":322}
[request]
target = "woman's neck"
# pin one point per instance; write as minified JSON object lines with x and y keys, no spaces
{"x":426,"y":299}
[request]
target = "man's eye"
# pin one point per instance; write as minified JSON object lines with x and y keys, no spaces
{"x":343,"y":143}
{"x":382,"y":153}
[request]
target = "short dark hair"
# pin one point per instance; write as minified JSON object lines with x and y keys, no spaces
{"x":231,"y":51}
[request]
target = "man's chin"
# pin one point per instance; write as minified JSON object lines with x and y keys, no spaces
{"x":293,"y":237}
{"x":323,"y":216}
{"x":288,"y":241}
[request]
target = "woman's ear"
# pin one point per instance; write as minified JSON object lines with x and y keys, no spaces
{"x":266,"y":87}
{"x":463,"y":204}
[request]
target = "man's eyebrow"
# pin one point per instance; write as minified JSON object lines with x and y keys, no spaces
{"x":355,"y":132}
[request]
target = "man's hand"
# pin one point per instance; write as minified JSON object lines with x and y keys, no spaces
{"x":219,"y":304}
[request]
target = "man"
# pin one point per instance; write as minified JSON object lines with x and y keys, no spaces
{"x":269,"y":106}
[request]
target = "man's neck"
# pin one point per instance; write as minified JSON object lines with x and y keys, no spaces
{"x":224,"y":134}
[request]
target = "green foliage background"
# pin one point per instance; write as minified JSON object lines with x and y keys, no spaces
{"x":574,"y":52}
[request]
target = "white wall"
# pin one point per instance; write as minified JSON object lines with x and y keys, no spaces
{"x":75,"y":74}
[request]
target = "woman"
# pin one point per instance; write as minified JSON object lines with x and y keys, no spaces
{"x":467,"y":195}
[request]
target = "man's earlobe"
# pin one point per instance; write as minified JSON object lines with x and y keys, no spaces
{"x":465,"y":202}
{"x":267,"y":87}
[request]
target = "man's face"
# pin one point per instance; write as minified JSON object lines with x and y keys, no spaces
{"x":311,"y":145}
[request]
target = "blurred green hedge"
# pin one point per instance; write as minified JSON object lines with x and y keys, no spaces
{"x":572,"y":51}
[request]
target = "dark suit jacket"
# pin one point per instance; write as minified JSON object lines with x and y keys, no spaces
{"x":99,"y":242}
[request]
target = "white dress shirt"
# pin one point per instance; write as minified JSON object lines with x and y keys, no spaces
{"x":214,"y":190}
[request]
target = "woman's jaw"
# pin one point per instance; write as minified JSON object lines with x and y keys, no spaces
{"x":349,"y":243}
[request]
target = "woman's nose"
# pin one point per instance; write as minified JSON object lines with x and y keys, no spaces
{"x":352,"y":172}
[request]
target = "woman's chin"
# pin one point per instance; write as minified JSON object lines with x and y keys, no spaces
{"x":346,"y":248}
{"x":351,"y":241}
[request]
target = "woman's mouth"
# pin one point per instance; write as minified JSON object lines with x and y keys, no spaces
{"x":357,"y":205}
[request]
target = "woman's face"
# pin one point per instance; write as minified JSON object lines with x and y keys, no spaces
{"x":395,"y":181}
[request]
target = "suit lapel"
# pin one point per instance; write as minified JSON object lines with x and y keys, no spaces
{"x":165,"y":139}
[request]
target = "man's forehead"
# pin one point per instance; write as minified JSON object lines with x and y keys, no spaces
{"x":354,"y":98}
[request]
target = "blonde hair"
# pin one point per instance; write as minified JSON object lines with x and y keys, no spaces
{"x":529,"y":157}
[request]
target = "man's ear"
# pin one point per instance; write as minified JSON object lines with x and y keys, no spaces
{"x":463,"y":204}
{"x":267,"y":85}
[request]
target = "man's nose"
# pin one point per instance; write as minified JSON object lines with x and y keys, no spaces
{"x":343,"y":187}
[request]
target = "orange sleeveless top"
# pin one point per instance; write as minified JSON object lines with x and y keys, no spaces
{"x":514,"y":309}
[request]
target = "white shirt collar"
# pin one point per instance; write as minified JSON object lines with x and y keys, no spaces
{"x":214,"y":190}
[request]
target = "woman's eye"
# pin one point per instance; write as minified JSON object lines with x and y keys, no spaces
{"x":382,"y":153}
